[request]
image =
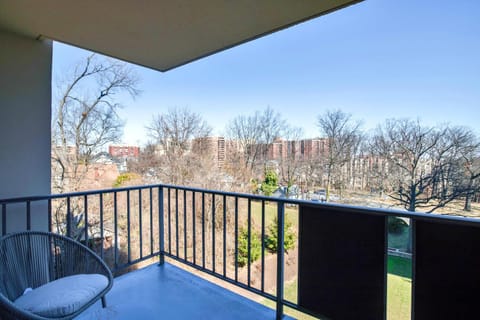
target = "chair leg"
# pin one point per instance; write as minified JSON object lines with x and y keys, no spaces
{"x":104,"y":302}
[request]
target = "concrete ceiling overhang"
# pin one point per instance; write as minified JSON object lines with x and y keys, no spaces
{"x":159,"y":34}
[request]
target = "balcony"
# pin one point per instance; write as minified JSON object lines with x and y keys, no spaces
{"x":173,"y":293}
{"x":338,"y":265}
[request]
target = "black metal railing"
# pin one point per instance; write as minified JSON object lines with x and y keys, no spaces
{"x":206,"y":229}
{"x":200,"y":221}
{"x":123,"y":225}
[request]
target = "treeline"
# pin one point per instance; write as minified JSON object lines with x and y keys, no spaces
{"x":420,"y":167}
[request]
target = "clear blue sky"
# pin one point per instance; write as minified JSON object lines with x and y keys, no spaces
{"x":376,"y":60}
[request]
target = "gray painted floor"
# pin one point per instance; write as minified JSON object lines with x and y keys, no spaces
{"x":167,"y":292}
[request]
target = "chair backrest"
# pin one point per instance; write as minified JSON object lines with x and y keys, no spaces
{"x":25,"y":262}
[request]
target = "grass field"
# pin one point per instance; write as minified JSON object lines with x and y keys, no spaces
{"x":291,"y":213}
{"x":399,"y":282}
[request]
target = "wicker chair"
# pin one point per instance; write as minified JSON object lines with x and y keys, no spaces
{"x":48,"y":276}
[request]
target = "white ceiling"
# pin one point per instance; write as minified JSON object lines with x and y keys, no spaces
{"x":158,"y":34}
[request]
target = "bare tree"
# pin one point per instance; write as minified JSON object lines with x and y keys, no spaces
{"x":146,"y":163}
{"x":290,"y":164}
{"x":84,"y":121}
{"x":380,"y":175}
{"x":353,"y":170}
{"x":343,"y":137}
{"x":472,"y":170}
{"x":425,"y":161}
{"x":175,"y":129}
{"x":407,"y":146}
{"x":255,"y":134}
{"x":311,"y":173}
{"x":181,"y":136}
{"x":461,"y":173}
{"x":85,"y":117}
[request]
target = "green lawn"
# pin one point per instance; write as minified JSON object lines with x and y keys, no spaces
{"x":399,"y":282}
{"x":291,"y":213}
{"x":401,"y":267}
{"x":290,"y":294}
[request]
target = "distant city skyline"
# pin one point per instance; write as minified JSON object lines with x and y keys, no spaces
{"x":375,"y":60}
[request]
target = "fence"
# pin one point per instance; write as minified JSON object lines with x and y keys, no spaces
{"x":342,"y":250}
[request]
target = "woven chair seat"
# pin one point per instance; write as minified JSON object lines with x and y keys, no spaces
{"x":48,"y":276}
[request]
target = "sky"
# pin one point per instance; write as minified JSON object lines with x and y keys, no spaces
{"x":376,"y":60}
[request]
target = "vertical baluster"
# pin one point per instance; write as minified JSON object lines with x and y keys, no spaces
{"x":413,"y":230}
{"x":203,"y":229}
{"x":193,"y":229}
{"x":129,"y":249}
{"x":176,"y":223}
{"x":169,"y":222}
{"x":185,"y":224}
{"x":150,"y":192}
{"x":102,"y":234}
{"x":115,"y":226}
{"x":280,"y":258}
{"x":29,"y":215}
{"x":85,"y":209}
{"x":4,"y":219}
{"x":236,"y":238}
{"x":224,"y":236}
{"x":161,"y":225}
{"x":140,"y":222}
{"x":249,"y":241}
{"x":263,"y":246}
{"x":50,"y":223}
{"x":385,"y":266}
{"x":213,"y":232}
{"x":69,"y":218}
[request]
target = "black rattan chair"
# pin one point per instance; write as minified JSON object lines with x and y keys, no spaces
{"x":48,"y":276}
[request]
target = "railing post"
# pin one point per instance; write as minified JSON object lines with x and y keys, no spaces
{"x":49,"y":210}
{"x":29,"y":215}
{"x":280,"y":257}
{"x":4,"y":219}
{"x":69,"y":218}
{"x":161,"y":223}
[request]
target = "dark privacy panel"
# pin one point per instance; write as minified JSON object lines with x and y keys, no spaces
{"x":342,"y":270}
{"x":446,"y":271}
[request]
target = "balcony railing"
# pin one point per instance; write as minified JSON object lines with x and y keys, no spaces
{"x":342,"y":250}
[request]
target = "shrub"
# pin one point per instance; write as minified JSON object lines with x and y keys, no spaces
{"x":271,"y":239}
{"x":124,"y":178}
{"x":270,"y":184}
{"x":255,"y":247}
{"x":396,"y":225}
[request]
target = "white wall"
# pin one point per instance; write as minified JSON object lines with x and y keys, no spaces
{"x":25,"y":104}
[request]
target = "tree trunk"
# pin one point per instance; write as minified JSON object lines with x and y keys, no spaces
{"x":412,"y":209}
{"x":468,"y":202}
{"x":413,"y":198}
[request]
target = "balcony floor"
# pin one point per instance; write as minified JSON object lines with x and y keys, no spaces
{"x":168,"y":292}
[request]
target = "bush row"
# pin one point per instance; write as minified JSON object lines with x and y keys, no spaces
{"x":270,"y":242}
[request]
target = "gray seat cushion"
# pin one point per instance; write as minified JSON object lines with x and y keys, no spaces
{"x":64,"y":296}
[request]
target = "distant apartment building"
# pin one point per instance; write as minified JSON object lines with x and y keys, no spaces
{"x":305,"y":149}
{"x":278,"y":150}
{"x":314,"y":148}
{"x":218,"y":147}
{"x":124,"y":151}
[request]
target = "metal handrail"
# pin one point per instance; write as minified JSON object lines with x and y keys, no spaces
{"x":332,"y":206}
